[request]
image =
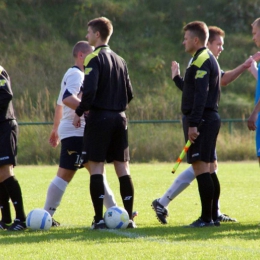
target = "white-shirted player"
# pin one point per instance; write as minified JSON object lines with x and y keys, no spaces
{"x":71,"y":138}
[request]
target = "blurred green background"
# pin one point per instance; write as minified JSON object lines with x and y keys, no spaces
{"x":36,"y":42}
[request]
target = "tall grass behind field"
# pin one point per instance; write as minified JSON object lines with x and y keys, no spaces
{"x":33,"y":146}
{"x":158,"y":142}
{"x":164,"y":142}
{"x":35,"y":110}
{"x":235,"y":142}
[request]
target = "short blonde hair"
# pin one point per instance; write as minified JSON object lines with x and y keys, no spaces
{"x":256,"y":22}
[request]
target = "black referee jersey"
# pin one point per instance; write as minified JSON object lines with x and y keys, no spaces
{"x":107,"y":85}
{"x":6,"y":96}
{"x":201,"y":86}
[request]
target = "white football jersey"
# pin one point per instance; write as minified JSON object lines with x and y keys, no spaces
{"x":71,"y":82}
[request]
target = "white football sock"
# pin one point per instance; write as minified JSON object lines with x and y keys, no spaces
{"x":219,"y":212}
{"x":182,"y":181}
{"x":109,"y":199}
{"x":54,"y":194}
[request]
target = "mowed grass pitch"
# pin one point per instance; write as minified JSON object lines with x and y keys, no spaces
{"x":74,"y":240}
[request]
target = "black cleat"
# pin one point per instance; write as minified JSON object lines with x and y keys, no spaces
{"x":55,"y":223}
{"x":131,"y":224}
{"x":216,"y":223}
{"x":199,"y":223}
{"x":17,"y":226}
{"x":4,"y":226}
{"x":161,"y":211}
{"x":225,"y":218}
{"x":100,"y":225}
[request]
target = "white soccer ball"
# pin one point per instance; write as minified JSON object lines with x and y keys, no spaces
{"x":116,"y":217}
{"x":39,"y":219}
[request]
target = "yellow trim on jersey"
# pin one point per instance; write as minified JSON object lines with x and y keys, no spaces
{"x":200,"y":74}
{"x":2,"y":82}
{"x":91,"y":56}
{"x":87,"y":70}
{"x":201,"y":58}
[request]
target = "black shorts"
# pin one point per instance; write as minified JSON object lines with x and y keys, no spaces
{"x":105,"y":137}
{"x":8,"y":142}
{"x":70,"y":152}
{"x":204,"y":147}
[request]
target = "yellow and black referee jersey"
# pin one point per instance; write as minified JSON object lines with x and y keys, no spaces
{"x":107,"y":85}
{"x":201,"y":88}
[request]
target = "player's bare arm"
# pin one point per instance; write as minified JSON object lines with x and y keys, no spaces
{"x":231,"y":75}
{"x":54,"y":138}
{"x":71,"y":101}
{"x":251,"y":122}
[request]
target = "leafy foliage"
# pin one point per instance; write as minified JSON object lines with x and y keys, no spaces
{"x":37,"y":38}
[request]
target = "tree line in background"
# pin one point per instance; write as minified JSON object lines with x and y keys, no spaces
{"x":37,"y":38}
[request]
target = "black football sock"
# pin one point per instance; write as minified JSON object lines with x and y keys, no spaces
{"x":215,"y":180}
{"x":206,"y":191}
{"x":127,"y":193}
{"x":4,"y":204}
{"x":13,"y":188}
{"x":97,"y":195}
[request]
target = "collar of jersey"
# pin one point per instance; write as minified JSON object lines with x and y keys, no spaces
{"x":76,"y":67}
{"x":199,"y":51}
{"x":102,"y":47}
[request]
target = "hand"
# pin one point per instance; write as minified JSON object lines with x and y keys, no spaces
{"x":248,"y":62}
{"x":253,"y":66}
{"x":54,"y":138}
{"x":80,"y":95}
{"x":256,"y":56}
{"x":175,"y":69}
{"x":76,"y":121}
{"x":193,"y":134}
{"x":251,"y":121}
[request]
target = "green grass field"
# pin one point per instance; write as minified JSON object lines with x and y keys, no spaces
{"x":74,"y":240}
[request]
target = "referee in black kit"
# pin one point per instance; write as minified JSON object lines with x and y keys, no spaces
{"x":107,"y":90}
{"x":200,"y":98}
{"x":10,"y":188}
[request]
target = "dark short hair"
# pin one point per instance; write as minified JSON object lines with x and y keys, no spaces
{"x":103,"y":26}
{"x":215,"y":31}
{"x":82,"y":46}
{"x":198,"y":29}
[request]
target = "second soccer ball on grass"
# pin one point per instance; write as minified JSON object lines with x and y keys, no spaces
{"x":39,"y":219}
{"x":116,"y":217}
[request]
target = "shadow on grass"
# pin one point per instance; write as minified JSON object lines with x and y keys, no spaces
{"x":169,"y":233}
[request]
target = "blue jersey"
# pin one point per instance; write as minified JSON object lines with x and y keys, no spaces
{"x":257,"y":90}
{"x":257,"y":96}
